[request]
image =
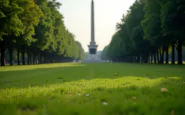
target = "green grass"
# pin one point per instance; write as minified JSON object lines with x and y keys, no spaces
{"x":114,"y":89}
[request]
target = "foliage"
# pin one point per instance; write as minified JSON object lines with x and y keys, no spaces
{"x":36,"y":29}
{"x":150,"y":29}
{"x":10,"y":22}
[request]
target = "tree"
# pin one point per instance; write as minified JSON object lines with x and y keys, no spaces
{"x":172,"y":23}
{"x":36,"y":29}
{"x":11,"y":25}
{"x":104,"y":54}
{"x":150,"y":29}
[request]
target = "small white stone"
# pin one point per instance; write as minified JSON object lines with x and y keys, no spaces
{"x":87,"y":95}
{"x":104,"y":103}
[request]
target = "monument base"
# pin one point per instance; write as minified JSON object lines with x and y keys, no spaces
{"x":93,"y":58}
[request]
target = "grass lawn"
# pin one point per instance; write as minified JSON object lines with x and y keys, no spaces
{"x":92,"y":89}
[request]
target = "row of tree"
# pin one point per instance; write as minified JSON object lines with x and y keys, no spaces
{"x":149,"y":32}
{"x":35,"y":30}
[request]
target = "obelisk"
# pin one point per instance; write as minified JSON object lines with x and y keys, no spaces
{"x":92,"y":55}
{"x":92,"y":46}
{"x":92,"y":21}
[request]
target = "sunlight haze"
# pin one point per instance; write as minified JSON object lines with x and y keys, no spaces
{"x":77,"y":14}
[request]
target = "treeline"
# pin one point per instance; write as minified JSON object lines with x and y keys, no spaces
{"x":151,"y":32}
{"x":35,"y":30}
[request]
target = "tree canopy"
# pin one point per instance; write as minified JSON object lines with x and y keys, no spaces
{"x":149,"y":30}
{"x":35,"y":30}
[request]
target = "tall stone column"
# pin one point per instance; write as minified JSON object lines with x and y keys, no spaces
{"x":92,"y":46}
{"x":92,"y":22}
{"x":92,"y":55}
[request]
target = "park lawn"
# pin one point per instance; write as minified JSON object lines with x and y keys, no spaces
{"x":92,"y":89}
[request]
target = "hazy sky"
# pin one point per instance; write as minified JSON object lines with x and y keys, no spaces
{"x":77,"y":14}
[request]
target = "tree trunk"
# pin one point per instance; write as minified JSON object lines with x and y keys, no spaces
{"x":138,"y":59}
{"x":40,"y":59}
{"x":155,"y":61}
{"x":11,"y":54}
{"x":134,"y":59}
{"x":18,"y":56}
{"x":28,"y":59}
{"x":23,"y":55}
{"x":2,"y":54}
{"x":34,"y":58}
{"x":31,"y":58}
{"x":145,"y":58}
{"x":159,"y":57}
{"x":167,"y":54}
{"x":43,"y":60}
{"x":173,"y":53}
{"x":179,"y":49}
{"x":28,"y":56}
{"x":157,"y":54}
{"x":162,"y":56}
{"x":142,"y":60}
{"x":151,"y":58}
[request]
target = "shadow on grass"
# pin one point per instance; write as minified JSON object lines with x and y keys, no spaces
{"x":31,"y":76}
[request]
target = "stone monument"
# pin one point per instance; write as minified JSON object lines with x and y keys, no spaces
{"x":92,"y":54}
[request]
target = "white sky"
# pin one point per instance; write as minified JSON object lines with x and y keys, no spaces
{"x":77,"y":14}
